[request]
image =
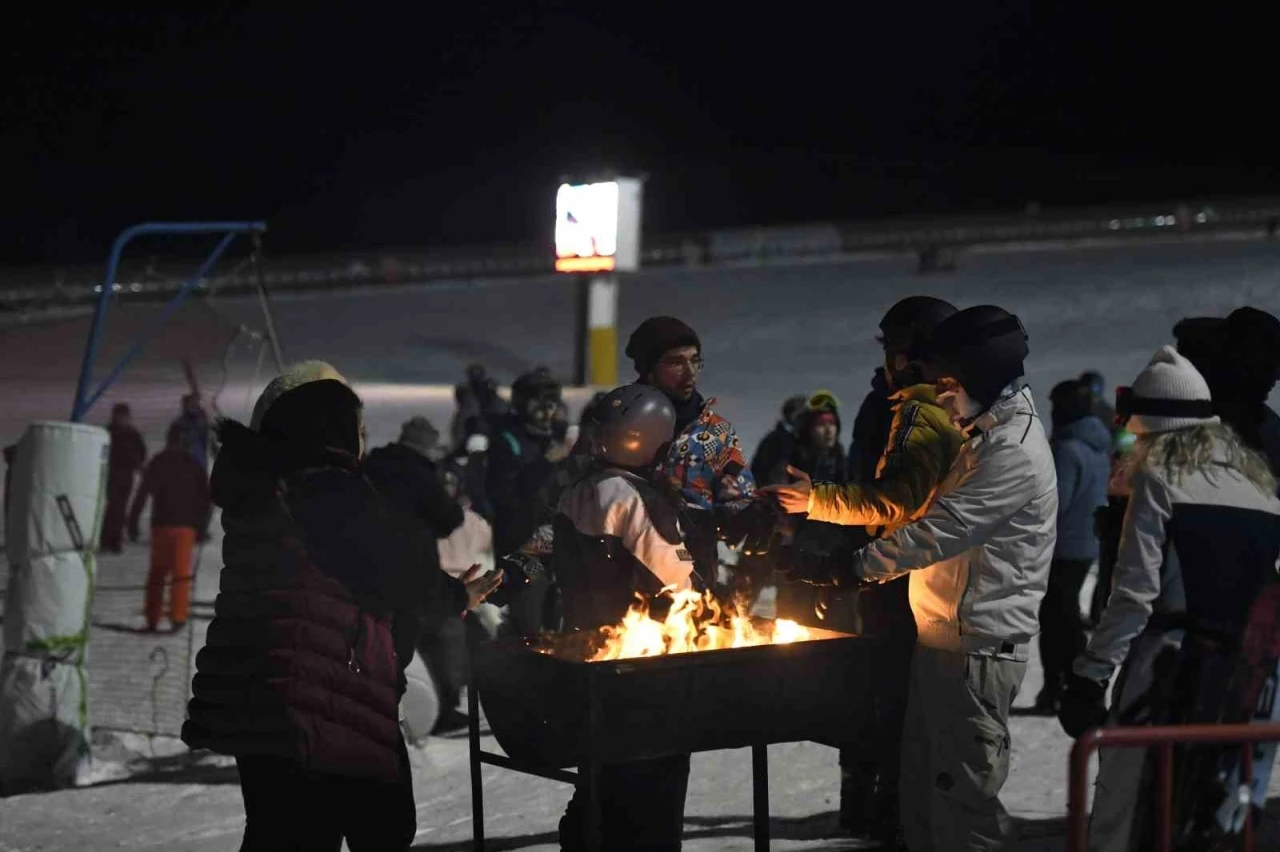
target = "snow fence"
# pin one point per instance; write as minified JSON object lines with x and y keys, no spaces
{"x":52,"y":525}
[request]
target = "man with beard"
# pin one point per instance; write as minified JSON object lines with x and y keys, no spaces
{"x":705,"y":462}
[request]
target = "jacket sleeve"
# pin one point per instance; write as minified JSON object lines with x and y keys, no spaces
{"x":913,"y":465}
{"x":628,"y":519}
{"x":734,"y":483}
{"x":983,"y":499}
{"x":1067,"y":464}
{"x":1136,"y":581}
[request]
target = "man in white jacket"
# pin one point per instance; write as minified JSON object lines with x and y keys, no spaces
{"x":979,"y":563}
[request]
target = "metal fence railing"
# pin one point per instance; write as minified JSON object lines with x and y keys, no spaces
{"x":1163,"y":739}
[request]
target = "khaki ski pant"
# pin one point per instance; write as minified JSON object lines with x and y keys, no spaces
{"x":955,"y":751}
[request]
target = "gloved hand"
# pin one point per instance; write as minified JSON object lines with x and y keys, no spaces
{"x":1083,"y":705}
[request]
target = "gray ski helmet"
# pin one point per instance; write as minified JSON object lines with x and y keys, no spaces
{"x":631,"y":424}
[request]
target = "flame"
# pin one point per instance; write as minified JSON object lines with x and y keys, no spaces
{"x":695,"y":622}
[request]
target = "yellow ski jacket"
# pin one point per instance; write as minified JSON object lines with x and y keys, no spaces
{"x":922,"y":446}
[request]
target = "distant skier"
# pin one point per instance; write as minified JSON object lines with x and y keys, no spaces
{"x":127,"y":455}
{"x":179,"y":494}
{"x":193,"y":425}
{"x":772,"y":456}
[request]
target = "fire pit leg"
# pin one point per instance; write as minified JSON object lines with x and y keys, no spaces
{"x":589,"y":772}
{"x":760,"y":795}
{"x":473,"y":736}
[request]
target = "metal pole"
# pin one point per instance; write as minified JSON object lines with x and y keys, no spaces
{"x":83,"y":401}
{"x":154,"y":327}
{"x":473,"y":737}
{"x":581,"y":334}
{"x":1164,"y":793}
{"x":760,"y":795}
{"x":79,"y":407}
{"x":272,"y":335}
{"x":1078,"y":791}
{"x":591,"y":772}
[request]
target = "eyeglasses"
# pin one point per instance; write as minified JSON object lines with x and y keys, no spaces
{"x":693,"y":365}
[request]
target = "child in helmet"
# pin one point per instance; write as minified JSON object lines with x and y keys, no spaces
{"x":616,"y":535}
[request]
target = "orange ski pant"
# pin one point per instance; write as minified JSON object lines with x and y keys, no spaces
{"x":171,"y":549}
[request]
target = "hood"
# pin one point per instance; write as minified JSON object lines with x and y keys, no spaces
{"x":250,"y":465}
{"x":1088,"y":430}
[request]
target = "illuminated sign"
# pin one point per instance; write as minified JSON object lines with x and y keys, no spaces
{"x":598,"y":226}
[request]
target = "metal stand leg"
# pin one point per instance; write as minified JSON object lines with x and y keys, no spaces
{"x":760,"y":795}
{"x":473,"y":735}
{"x":589,"y":776}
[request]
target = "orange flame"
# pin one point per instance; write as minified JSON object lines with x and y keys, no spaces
{"x":695,"y":622}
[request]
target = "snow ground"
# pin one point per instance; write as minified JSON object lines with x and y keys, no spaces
{"x":767,"y":331}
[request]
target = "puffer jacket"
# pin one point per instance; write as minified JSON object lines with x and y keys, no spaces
{"x":1082,"y":457}
{"x":299,"y":660}
{"x":1195,"y":551}
{"x":705,"y":464}
{"x":921,"y":448}
{"x":979,"y":557}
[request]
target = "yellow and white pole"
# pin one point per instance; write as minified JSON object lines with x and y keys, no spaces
{"x":602,"y":331}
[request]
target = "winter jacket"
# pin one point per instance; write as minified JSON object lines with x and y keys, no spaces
{"x":128,"y":453}
{"x":979,"y":557}
{"x":408,"y":479}
{"x":1082,"y":459}
{"x":1195,"y":551}
{"x":921,"y":447}
{"x":705,"y":466}
{"x":768,"y":465}
{"x":616,"y":535}
{"x":517,"y":475}
{"x":705,"y":463}
{"x":179,"y":492}
{"x":871,"y":430}
{"x":299,"y":661}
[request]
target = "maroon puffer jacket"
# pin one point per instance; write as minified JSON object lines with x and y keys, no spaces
{"x":297,"y":663}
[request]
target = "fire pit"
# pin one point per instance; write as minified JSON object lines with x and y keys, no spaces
{"x":551,"y":706}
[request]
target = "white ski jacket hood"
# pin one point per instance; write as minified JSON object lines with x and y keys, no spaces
{"x":979,"y":558}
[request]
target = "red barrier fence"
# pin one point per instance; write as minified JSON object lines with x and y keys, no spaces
{"x":1163,"y":739}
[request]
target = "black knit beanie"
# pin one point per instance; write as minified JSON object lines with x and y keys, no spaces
{"x":655,"y":336}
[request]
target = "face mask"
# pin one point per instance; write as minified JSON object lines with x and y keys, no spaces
{"x":958,"y":404}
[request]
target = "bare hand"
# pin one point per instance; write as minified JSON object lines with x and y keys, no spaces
{"x":480,"y":586}
{"x":793,"y":498}
{"x":556,"y":452}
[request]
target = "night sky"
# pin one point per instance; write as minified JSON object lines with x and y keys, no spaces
{"x":426,"y":124}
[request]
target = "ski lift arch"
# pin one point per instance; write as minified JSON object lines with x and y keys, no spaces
{"x":85,"y":396}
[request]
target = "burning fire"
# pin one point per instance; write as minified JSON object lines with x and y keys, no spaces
{"x":695,"y":622}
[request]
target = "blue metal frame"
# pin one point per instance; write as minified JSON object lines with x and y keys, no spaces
{"x":85,"y":400}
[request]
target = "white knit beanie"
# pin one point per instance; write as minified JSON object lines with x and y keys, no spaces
{"x":294,"y":376}
{"x":1169,"y":394}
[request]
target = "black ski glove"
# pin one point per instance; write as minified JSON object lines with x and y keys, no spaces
{"x":1083,"y":705}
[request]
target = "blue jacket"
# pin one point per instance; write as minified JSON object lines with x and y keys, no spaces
{"x":1082,"y":456}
